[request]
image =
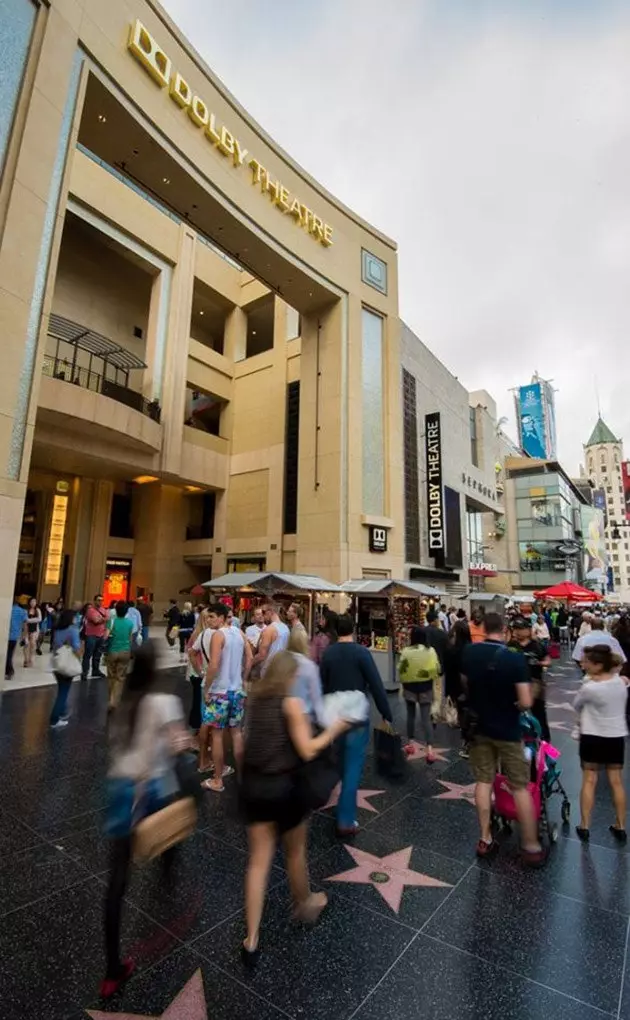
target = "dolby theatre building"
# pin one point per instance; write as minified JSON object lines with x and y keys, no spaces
{"x":201,"y":345}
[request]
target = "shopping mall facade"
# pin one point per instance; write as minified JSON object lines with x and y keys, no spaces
{"x":205,"y":369}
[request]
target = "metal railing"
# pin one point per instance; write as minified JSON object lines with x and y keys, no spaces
{"x":61,"y":368}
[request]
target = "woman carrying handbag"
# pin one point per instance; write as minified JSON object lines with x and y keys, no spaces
{"x":278,"y":792}
{"x":66,"y":665}
{"x":146,"y":814}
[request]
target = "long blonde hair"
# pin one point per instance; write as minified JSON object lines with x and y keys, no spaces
{"x":200,"y":625}
{"x":298,"y":641}
{"x":278,"y":678}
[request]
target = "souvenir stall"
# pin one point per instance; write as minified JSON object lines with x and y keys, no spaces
{"x":383,"y":612}
{"x":245,"y":591}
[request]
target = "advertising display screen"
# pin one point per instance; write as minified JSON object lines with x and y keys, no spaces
{"x":594,"y":538}
{"x":531,"y":420}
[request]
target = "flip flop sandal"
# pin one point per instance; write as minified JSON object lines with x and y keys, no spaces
{"x":227,"y":771}
{"x":208,"y":768}
{"x":213,"y":789}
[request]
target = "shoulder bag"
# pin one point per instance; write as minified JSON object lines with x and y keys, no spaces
{"x":65,"y":662}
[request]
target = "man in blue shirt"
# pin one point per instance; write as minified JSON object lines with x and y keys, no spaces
{"x":17,"y":625}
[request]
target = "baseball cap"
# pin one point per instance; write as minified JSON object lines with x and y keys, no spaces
{"x":520,"y":623}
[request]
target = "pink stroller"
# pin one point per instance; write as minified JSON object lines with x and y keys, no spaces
{"x":545,"y":781}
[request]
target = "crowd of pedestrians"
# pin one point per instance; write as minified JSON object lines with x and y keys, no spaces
{"x":260,"y":717}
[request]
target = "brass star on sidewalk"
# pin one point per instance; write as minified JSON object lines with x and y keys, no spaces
{"x":456,"y":792}
{"x":362,"y":798}
{"x":189,"y":1004}
{"x":389,"y":875}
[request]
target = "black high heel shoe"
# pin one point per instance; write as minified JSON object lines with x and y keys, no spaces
{"x":250,"y":957}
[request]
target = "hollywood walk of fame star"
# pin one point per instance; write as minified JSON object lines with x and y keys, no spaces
{"x":389,"y":874}
{"x":362,"y":798}
{"x":553,"y":725}
{"x":456,"y":792}
{"x":419,"y":752}
{"x":189,"y":1004}
{"x":562,"y":706}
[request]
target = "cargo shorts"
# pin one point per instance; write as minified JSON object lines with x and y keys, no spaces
{"x":489,"y":756}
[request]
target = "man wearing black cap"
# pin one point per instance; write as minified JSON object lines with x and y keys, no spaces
{"x":536,"y":659}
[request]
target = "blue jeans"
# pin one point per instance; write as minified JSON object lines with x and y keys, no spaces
{"x":60,"y":708}
{"x":352,"y":748}
{"x":145,"y":635}
{"x":93,"y":651}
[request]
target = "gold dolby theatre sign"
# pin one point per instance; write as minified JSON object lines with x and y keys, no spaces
{"x":146,"y":50}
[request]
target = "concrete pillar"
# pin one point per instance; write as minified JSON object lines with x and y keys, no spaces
{"x":235,"y":335}
{"x":155,"y":347}
{"x":160,"y":515}
{"x":29,"y":221}
{"x":219,"y":557}
{"x":176,"y":361}
{"x":103,"y":493}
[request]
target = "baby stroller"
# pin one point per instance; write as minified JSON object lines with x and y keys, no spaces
{"x":544,"y":782}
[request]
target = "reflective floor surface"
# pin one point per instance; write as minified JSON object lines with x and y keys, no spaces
{"x":416,"y":925}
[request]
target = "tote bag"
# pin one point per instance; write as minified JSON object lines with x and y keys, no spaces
{"x":65,"y":662}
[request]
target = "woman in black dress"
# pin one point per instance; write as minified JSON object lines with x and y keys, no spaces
{"x":278,"y":739}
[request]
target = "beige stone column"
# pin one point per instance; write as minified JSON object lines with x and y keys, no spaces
{"x":235,"y":335}
{"x":320,"y":507}
{"x":103,"y":493}
{"x":176,"y":355}
{"x":159,"y":514}
{"x":153,"y":379}
{"x":26,"y":235}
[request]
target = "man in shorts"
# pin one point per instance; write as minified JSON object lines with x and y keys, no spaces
{"x":498,"y":690}
{"x":229,"y":658}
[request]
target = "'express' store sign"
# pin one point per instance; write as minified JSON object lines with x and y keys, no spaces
{"x":145,"y":49}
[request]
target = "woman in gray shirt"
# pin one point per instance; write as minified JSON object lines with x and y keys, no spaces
{"x":601,"y":703}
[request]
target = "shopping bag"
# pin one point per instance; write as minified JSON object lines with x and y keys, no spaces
{"x":164,"y":829}
{"x":390,"y":757}
{"x":554,"y":650}
{"x":65,"y":662}
{"x":450,"y":715}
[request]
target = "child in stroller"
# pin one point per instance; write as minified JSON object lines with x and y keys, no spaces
{"x":544,"y":782}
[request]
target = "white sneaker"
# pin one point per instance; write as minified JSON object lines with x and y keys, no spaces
{"x":59,"y":725}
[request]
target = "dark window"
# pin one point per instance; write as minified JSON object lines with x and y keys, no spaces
{"x":410,"y":442}
{"x":201,"y":516}
{"x":474,"y":451}
{"x":120,"y":525}
{"x":291,"y":457}
{"x":453,"y":528}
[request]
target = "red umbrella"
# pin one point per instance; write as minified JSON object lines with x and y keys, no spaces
{"x":569,"y":591}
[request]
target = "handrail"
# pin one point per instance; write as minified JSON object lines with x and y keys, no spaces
{"x":61,"y":368}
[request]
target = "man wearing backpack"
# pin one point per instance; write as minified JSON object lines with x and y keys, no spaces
{"x":499,"y":689}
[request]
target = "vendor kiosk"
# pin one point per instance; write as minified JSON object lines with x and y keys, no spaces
{"x":245,"y":591}
{"x":384,"y":612}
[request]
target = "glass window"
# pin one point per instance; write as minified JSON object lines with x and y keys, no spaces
{"x":373,"y":271}
{"x":474,"y":448}
{"x":549,"y":511}
{"x":540,"y":556}
{"x":17,"y":18}
{"x":615,"y":558}
{"x":294,"y":323}
{"x":372,"y":409}
{"x":474,"y":537}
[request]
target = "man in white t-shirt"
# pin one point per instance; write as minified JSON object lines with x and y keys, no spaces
{"x":596,"y":636}
{"x":229,"y":658}
{"x":255,"y":629}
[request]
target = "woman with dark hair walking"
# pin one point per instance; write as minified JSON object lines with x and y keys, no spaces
{"x":147,"y":733}
{"x":601,"y":702}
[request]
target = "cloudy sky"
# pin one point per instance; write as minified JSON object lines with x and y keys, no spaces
{"x":491,"y":139}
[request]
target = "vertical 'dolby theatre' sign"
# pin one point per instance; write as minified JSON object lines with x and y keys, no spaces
{"x":159,"y":66}
{"x":435,"y":492}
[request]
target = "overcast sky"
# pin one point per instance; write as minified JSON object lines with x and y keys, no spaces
{"x":491,"y":140}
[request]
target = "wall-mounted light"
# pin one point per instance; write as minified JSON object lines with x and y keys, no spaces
{"x":102,"y":118}
{"x":143,"y":479}
{"x":166,"y":180}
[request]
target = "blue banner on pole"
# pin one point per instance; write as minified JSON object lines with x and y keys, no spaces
{"x":532,"y":420}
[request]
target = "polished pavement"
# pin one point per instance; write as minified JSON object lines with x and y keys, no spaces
{"x":416,"y":925}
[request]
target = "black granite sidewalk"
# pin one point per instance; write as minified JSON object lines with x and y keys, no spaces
{"x":416,"y":925}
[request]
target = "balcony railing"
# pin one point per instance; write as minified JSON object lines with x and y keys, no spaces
{"x":61,"y":368}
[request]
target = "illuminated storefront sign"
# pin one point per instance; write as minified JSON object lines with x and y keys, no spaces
{"x":160,"y":67}
{"x":435,"y":494}
{"x":54,"y":553}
